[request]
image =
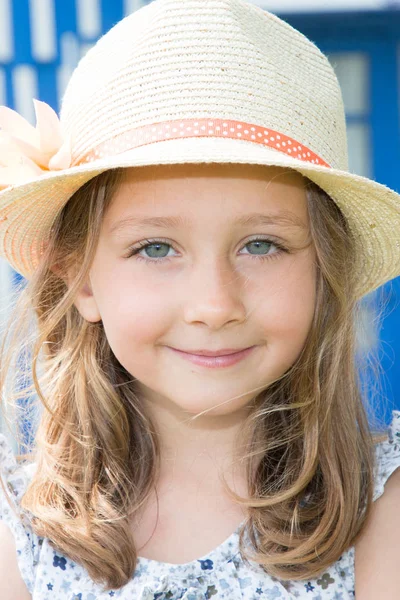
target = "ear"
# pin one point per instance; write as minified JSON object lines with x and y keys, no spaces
{"x":86,"y":304}
{"x":84,"y":301}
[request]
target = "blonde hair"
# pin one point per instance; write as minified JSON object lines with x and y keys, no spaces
{"x":306,"y":444}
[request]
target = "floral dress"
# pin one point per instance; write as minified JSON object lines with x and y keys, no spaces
{"x":220,"y":574}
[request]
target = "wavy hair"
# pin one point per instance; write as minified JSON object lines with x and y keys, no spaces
{"x":306,"y":444}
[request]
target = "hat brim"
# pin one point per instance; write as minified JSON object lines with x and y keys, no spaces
{"x":372,"y":210}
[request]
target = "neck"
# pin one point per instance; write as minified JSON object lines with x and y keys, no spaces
{"x":194,"y":447}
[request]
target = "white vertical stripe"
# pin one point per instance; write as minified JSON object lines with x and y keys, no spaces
{"x":43,"y":30}
{"x":69,"y":58}
{"x":69,"y":50}
{"x":3,"y":88}
{"x":131,"y":5}
{"x":25,"y":88}
{"x":6,"y":29}
{"x":88,"y":16}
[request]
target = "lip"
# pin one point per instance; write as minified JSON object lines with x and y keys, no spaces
{"x":223,"y":352}
{"x":215,"y":361}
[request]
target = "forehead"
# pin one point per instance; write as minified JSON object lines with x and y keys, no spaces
{"x":223,"y":191}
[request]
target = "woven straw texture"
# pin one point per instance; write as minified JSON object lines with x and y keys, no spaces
{"x":191,"y":59}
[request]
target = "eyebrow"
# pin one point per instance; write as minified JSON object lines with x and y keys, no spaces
{"x":284,"y":218}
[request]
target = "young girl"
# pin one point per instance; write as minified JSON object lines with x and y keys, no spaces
{"x":195,"y":252}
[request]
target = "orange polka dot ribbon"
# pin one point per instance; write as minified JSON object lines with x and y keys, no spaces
{"x":190,"y":128}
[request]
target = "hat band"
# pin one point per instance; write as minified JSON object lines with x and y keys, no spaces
{"x":190,"y":128}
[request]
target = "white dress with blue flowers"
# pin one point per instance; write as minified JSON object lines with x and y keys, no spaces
{"x":221,"y":574}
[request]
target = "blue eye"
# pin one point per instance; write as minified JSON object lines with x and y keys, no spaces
{"x":260,"y":245}
{"x":157,"y":250}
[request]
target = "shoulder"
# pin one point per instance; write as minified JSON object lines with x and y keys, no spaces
{"x":12,"y":585}
{"x":377,"y":551}
{"x":18,"y":544}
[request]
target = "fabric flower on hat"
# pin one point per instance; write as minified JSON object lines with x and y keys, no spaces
{"x":27,"y":152}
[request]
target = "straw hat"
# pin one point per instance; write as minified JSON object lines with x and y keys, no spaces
{"x":189,"y":81}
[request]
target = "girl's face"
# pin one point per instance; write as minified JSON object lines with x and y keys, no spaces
{"x":204,"y":257}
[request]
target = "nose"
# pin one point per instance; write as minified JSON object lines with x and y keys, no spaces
{"x":214,"y":294}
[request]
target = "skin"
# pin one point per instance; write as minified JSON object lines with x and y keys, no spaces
{"x":214,"y":292}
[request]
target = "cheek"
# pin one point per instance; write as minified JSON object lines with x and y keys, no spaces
{"x":133,"y":315}
{"x":288,"y":305}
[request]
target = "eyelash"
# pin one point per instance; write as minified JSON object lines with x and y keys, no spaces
{"x":134,"y":251}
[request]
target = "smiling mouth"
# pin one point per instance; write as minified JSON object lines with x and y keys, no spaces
{"x":215,"y":361}
{"x":216,"y":353}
